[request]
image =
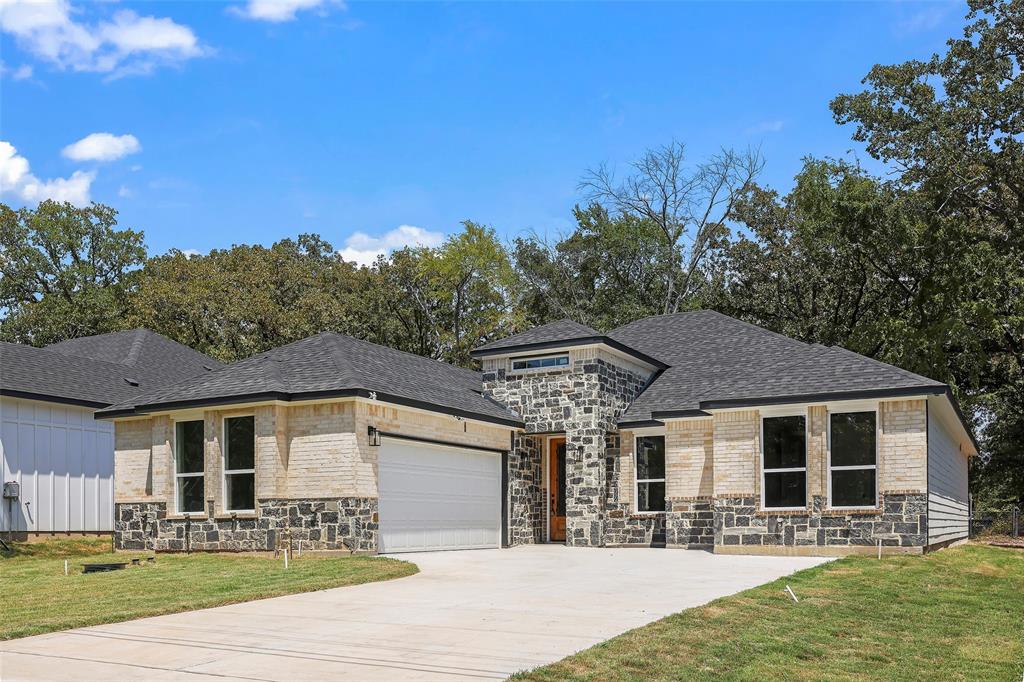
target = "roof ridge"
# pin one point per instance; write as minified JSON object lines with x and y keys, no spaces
{"x":136,"y":348}
{"x":396,"y":350}
{"x":341,"y":362}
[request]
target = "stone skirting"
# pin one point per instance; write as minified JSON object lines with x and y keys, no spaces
{"x":624,"y":528}
{"x":347,"y":523}
{"x":690,"y":523}
{"x":902,"y":521}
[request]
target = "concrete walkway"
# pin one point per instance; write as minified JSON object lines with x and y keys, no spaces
{"x":467,"y":615}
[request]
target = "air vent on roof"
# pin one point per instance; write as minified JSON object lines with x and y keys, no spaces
{"x":131,"y":382}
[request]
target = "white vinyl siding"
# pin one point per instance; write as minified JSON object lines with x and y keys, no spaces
{"x":63,"y":460}
{"x":436,"y":497}
{"x":947,"y":486}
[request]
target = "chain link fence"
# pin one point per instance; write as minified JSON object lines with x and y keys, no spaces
{"x":1001,"y":523}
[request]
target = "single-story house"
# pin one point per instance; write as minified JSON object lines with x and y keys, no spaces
{"x":58,"y":461}
{"x":689,"y":430}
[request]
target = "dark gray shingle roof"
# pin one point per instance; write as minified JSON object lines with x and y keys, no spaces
{"x":552,"y":332}
{"x":98,"y":370}
{"x":155,"y":360}
{"x":331,"y":364}
{"x":715,"y":360}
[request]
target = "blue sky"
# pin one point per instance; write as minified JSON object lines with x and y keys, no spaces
{"x":239,"y":123}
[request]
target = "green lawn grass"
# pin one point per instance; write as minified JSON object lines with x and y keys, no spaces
{"x":39,"y":598}
{"x":956,"y":614}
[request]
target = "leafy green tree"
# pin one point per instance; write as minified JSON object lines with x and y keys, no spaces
{"x":233,"y":303}
{"x":443,"y":302}
{"x":66,"y":271}
{"x":953,"y":129}
{"x":609,"y":271}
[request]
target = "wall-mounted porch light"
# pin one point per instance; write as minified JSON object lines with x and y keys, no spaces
{"x":373,"y":434}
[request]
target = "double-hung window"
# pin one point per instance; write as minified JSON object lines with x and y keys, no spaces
{"x":650,"y":473}
{"x":853,"y":459}
{"x":784,"y":462}
{"x":188,"y":466}
{"x":240,"y":463}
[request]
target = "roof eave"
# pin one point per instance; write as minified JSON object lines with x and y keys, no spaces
{"x":903,"y":392}
{"x":567,"y":343}
{"x":48,"y":398}
{"x":309,"y":395}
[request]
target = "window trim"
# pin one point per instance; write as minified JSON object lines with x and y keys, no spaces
{"x":179,"y":475}
{"x":637,"y":480}
{"x":225,"y":472}
{"x":773,"y":414}
{"x":524,"y":358}
{"x":859,"y":467}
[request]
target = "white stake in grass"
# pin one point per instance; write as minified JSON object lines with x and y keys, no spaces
{"x":790,"y":590}
{"x":65,"y":567}
{"x":286,"y":559}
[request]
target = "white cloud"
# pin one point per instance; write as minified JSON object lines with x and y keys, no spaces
{"x":363,"y":249}
{"x":23,"y":72}
{"x":279,"y":10}
{"x":126,"y":44}
{"x":766,"y":127}
{"x":124,"y":192}
{"x":189,"y":253}
{"x":17,"y":180}
{"x":102,"y":147}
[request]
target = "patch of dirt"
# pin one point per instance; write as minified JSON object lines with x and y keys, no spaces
{"x":1002,"y":541}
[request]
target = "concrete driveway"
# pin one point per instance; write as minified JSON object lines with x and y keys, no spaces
{"x":480,"y":614}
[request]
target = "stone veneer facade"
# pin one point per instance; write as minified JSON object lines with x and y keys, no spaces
{"x":712,"y":470}
{"x":583,"y":401}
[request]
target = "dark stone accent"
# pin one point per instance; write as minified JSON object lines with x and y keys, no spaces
{"x":903,"y":521}
{"x":331,"y":524}
{"x":583,"y":401}
{"x":690,"y":524}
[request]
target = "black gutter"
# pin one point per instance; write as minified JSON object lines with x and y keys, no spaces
{"x":640,"y":424}
{"x":28,"y":395}
{"x":309,"y":395}
{"x":822,"y":397}
{"x":679,"y":414}
{"x":565,"y":343}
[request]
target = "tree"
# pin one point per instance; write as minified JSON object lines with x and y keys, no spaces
{"x":953,"y":129}
{"x":236,"y":302}
{"x":66,"y":271}
{"x":443,"y":302}
{"x":689,"y":206}
{"x":609,"y":271}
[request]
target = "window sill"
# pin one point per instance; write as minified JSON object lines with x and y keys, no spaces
{"x":645,"y":514}
{"x":195,"y":516}
{"x":782,"y":511}
{"x":227,"y":516}
{"x":852,"y":511}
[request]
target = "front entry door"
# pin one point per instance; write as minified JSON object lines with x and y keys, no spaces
{"x":556,"y":488}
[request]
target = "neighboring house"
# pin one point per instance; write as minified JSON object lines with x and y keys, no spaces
{"x":59,"y":458}
{"x":690,"y":430}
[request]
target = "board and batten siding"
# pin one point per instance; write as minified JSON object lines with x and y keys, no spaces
{"x":947,"y":486}
{"x":63,"y":460}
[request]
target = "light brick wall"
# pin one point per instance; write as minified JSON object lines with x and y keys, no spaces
{"x":689,"y":458}
{"x":627,"y":467}
{"x":323,"y":459}
{"x":737,"y":453}
{"x":817,"y":451}
{"x":303,"y":451}
{"x":903,"y":446}
{"x":133,"y":441}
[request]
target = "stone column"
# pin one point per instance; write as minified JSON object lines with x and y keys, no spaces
{"x":585,"y":471}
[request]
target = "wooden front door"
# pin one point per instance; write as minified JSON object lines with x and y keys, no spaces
{"x":556,"y":488}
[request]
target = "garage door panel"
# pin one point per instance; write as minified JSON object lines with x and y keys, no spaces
{"x":434,"y":497}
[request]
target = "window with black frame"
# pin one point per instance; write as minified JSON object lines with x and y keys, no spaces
{"x":650,"y":473}
{"x":853,"y":459}
{"x":240,"y":463}
{"x":188,"y":466}
{"x":784,"y":477}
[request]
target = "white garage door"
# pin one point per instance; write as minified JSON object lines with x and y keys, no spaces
{"x":436,"y":497}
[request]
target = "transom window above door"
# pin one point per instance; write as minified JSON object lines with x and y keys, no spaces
{"x":784,"y":460}
{"x":650,"y":473}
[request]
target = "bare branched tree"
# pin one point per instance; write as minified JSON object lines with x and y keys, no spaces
{"x":689,"y":203}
